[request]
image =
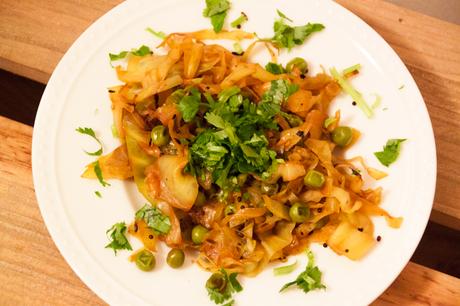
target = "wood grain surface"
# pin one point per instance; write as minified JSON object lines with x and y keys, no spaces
{"x":33,"y":271}
{"x":35,"y":34}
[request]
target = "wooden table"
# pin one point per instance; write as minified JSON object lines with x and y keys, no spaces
{"x":35,"y":34}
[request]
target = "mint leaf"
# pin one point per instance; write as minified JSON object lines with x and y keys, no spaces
{"x":390,"y":152}
{"x":118,"y":240}
{"x":154,"y":219}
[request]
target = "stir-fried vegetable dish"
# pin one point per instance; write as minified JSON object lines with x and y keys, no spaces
{"x":241,"y":164}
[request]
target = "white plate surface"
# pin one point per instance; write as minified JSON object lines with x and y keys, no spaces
{"x":76,"y":96}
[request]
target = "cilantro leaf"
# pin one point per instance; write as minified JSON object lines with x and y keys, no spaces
{"x":142,"y":51}
{"x":274,"y":68}
{"x":117,"y":238}
{"x":90,"y":132}
{"x":154,"y":218}
{"x":239,"y":21}
{"x":189,"y":105}
{"x":390,"y":151}
{"x":279,"y":92}
{"x":98,"y":171}
{"x":283,"y":15}
{"x":217,"y":11}
{"x":223,"y":295}
{"x":115,"y":57}
{"x":308,"y":280}
{"x":286,"y":36}
{"x":158,"y":34}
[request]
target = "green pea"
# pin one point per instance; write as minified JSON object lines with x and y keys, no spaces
{"x":198,"y":234}
{"x":229,"y":209}
{"x":298,"y":62}
{"x":175,"y":258}
{"x":200,"y":199}
{"x":242,"y":178}
{"x":269,"y":188}
{"x":159,"y":136}
{"x":299,"y":212}
{"x":314,"y":179}
{"x":342,"y":136}
{"x":145,"y":260}
{"x":216,"y":281}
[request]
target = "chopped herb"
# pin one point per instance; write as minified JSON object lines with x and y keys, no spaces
{"x":285,"y":269}
{"x":90,"y":132}
{"x":239,"y":21}
{"x":158,"y":34}
{"x":217,"y":11}
{"x":287,"y":36}
{"x":190,"y":104}
{"x":355,"y":95}
{"x":283,"y":15}
{"x":401,"y":87}
{"x":222,"y":286}
{"x":98,"y":171}
{"x":98,"y":194}
{"x":351,"y":69}
{"x":390,"y":152}
{"x":308,"y":280}
{"x":275,"y":68}
{"x":238,"y":48}
{"x":329,"y":121}
{"x":117,"y":238}
{"x":119,"y":56}
{"x":142,"y":51}
{"x":155,"y":219}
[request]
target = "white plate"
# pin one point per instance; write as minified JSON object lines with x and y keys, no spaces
{"x":76,"y":96}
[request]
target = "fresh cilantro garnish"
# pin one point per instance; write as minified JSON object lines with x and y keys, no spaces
{"x":217,"y":11}
{"x":158,"y":34}
{"x":329,"y":121}
{"x":282,"y":15}
{"x":98,"y":171}
{"x":98,"y":194}
{"x":154,"y":218}
{"x":141,"y":51}
{"x":189,"y":105}
{"x":119,"y":56}
{"x":221,"y":286}
{"x":285,"y":269}
{"x":308,"y":280}
{"x":275,"y":68}
{"x":287,"y":36}
{"x":390,"y":152}
{"x":239,"y":21}
{"x":90,"y":132}
{"x":235,"y":143}
{"x":118,"y":240}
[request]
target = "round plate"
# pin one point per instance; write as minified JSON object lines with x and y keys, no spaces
{"x":76,"y":96}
